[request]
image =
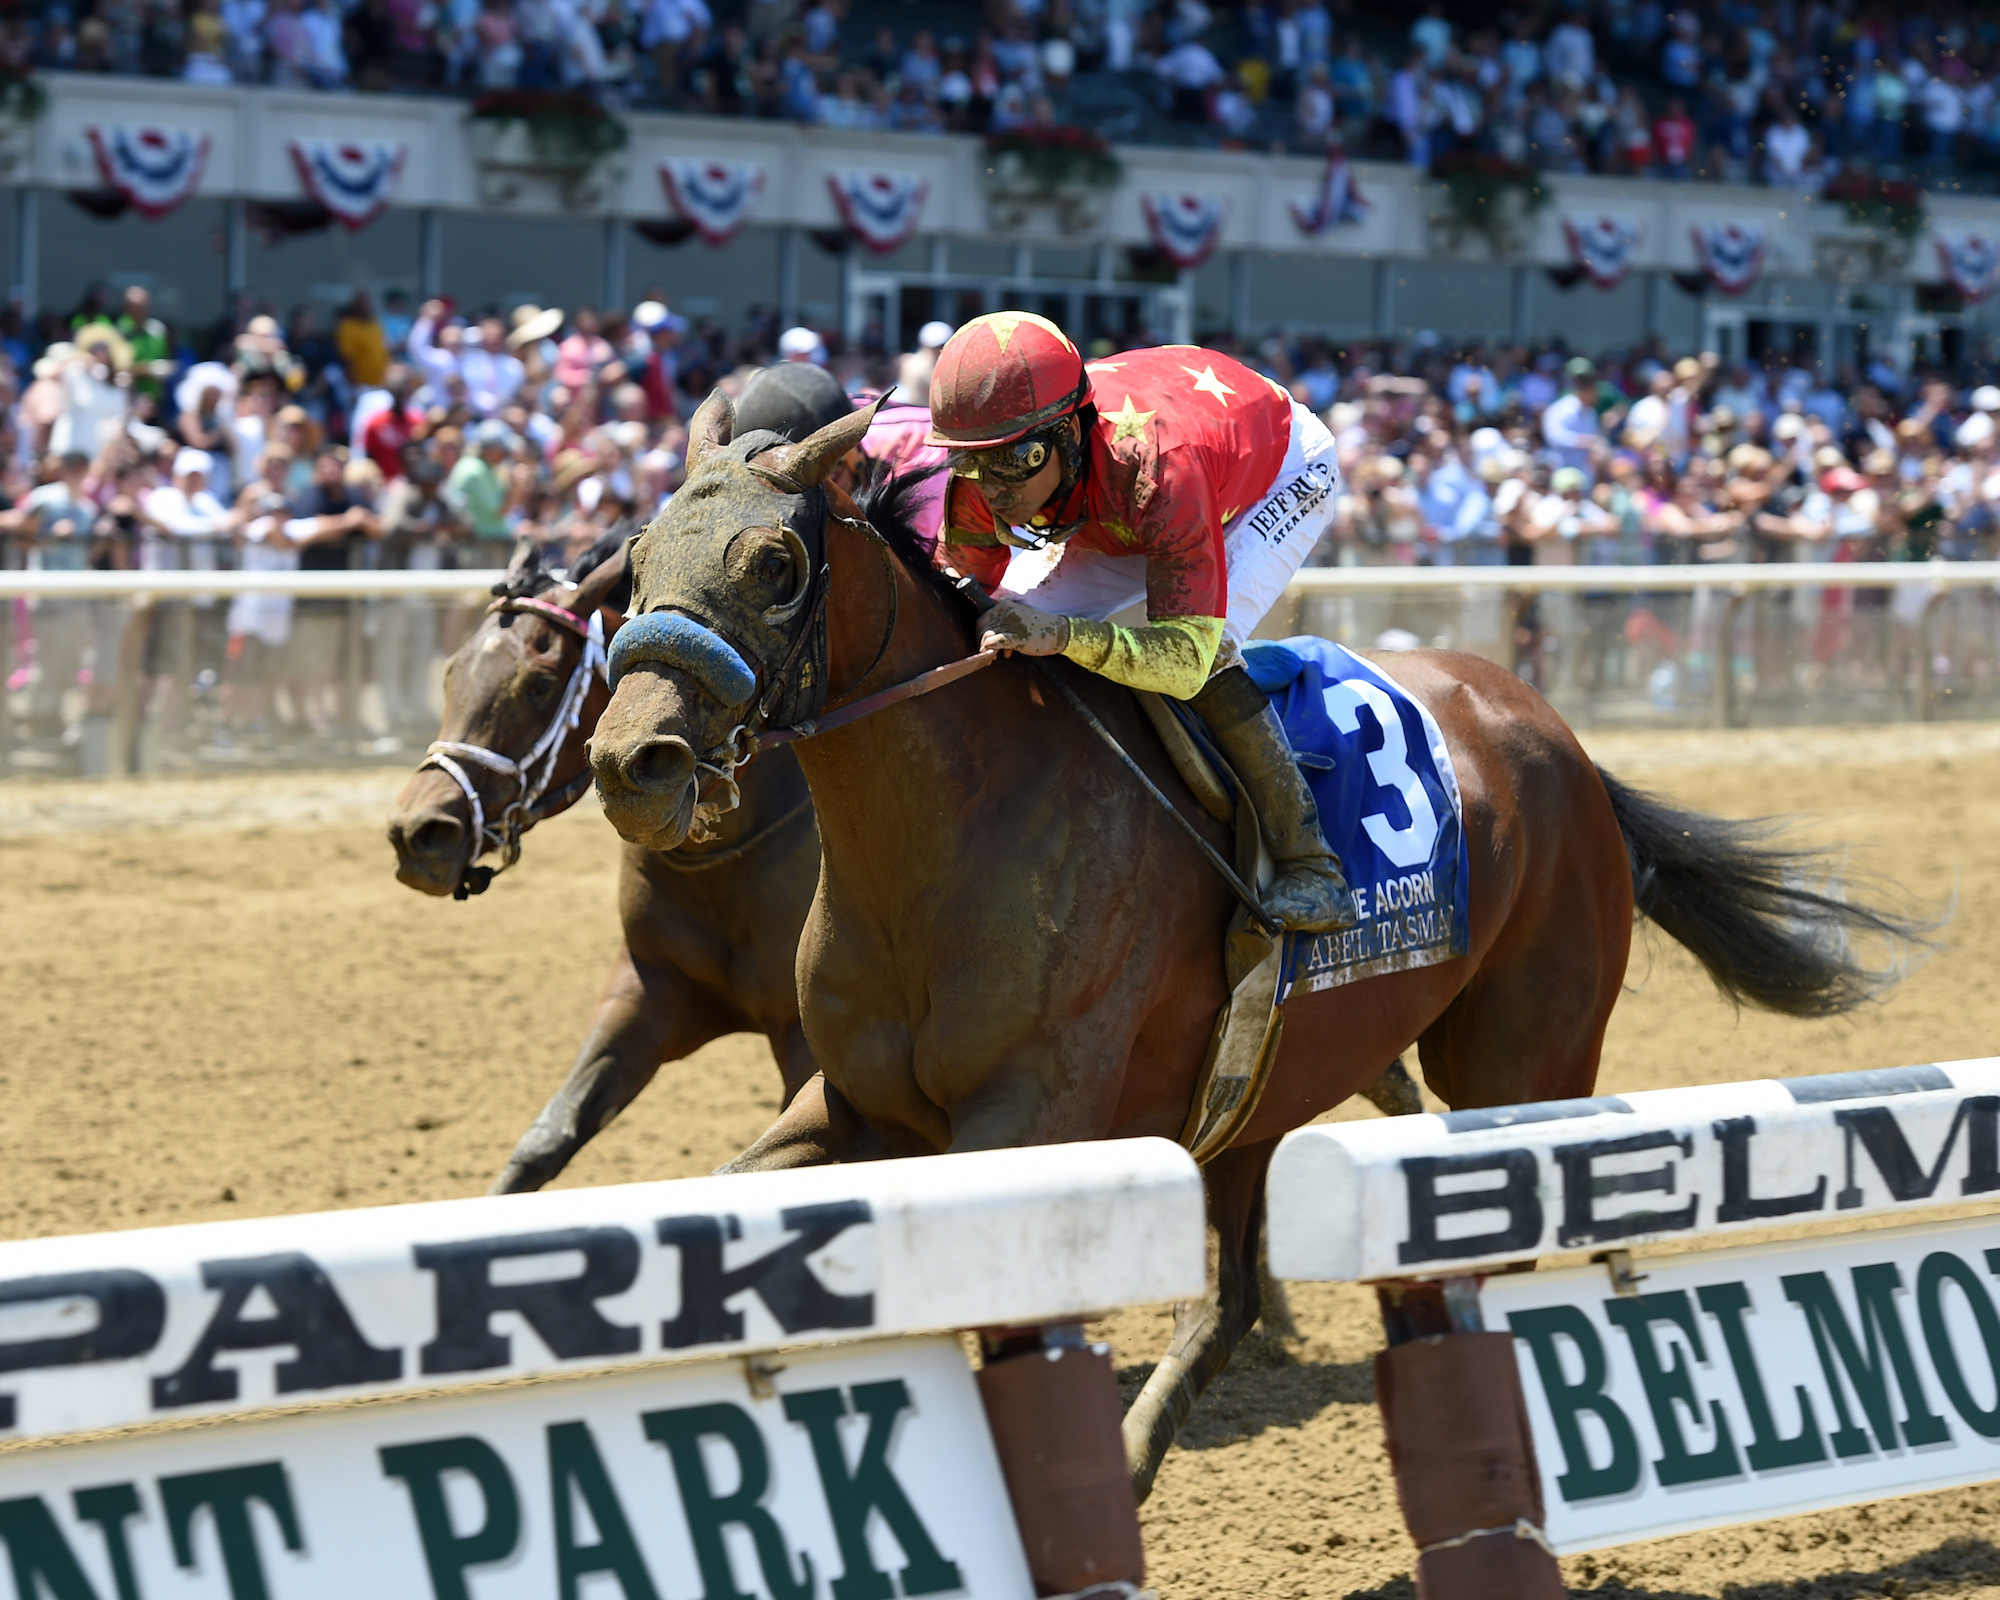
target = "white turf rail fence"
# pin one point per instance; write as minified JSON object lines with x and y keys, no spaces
{"x":723,"y":1387}
{"x":1724,"y":641}
{"x":1531,"y":1414}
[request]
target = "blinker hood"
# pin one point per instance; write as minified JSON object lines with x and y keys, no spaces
{"x":728,"y":641}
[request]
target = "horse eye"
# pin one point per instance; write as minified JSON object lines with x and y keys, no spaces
{"x":542,"y":685}
{"x":773,"y":567}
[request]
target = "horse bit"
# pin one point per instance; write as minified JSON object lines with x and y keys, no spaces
{"x":526,"y":809}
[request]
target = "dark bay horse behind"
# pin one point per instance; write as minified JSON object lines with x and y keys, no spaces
{"x":1011,"y":944}
{"x":710,"y":929}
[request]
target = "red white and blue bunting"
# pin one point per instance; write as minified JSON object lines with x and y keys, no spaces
{"x":718,"y":197}
{"x":1186,"y":227}
{"x":1971,"y":261}
{"x":354,"y":180}
{"x":1338,"y":202}
{"x":881,"y":208}
{"x":154,"y":168}
{"x":1731,"y":253}
{"x":1602,"y":244}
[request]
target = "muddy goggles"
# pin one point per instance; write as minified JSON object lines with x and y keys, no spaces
{"x":1014,"y":462}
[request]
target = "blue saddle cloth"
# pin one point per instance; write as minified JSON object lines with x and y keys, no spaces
{"x":1388,"y":802}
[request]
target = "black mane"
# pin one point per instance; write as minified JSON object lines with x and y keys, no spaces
{"x":888,"y":500}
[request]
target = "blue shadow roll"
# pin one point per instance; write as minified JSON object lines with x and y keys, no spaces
{"x":671,"y":640}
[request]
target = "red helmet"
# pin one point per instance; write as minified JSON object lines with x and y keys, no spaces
{"x":1003,"y":375}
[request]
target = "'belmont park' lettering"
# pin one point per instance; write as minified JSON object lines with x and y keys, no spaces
{"x":714,"y":1461}
{"x":1873,"y":1369}
{"x":1509,"y":1190}
{"x":286,"y":1300}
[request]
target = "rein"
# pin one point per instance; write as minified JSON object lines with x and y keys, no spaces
{"x":533,"y":802}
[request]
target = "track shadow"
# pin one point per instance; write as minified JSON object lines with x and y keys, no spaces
{"x":1264,"y":1386}
{"x":1950,"y":1568}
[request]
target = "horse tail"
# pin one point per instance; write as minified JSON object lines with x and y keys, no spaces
{"x":1771,"y":924}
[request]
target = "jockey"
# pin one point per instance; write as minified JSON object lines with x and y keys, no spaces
{"x":1174,"y":476}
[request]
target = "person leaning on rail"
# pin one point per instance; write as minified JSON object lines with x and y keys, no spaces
{"x":1172,"y":475}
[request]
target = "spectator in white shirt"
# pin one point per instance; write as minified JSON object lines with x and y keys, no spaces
{"x":1944,"y":116}
{"x":1570,"y":56}
{"x":1787,"y":146}
{"x":190,"y":518}
{"x":492,"y":376}
{"x":1569,"y":426}
{"x":96,"y":393}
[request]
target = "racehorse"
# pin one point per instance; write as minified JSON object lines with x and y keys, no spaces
{"x":1012,"y":944}
{"x":711,"y":929}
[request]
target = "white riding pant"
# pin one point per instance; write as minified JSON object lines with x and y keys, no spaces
{"x":1264,"y":545}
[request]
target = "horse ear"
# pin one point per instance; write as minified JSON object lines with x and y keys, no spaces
{"x":813,"y":457}
{"x":712,"y":425}
{"x":600,"y":583}
{"x":525,"y":562}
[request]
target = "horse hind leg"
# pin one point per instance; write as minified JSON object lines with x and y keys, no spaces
{"x":1207,"y":1331}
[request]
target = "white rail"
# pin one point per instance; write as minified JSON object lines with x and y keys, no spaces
{"x":1729,"y":577}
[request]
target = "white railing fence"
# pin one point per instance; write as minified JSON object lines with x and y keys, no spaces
{"x":107,"y":673}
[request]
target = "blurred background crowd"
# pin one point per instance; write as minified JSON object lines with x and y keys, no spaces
{"x":1781,"y":91}
{"x":439,"y":436}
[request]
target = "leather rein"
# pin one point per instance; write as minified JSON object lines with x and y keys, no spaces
{"x":532,"y":772}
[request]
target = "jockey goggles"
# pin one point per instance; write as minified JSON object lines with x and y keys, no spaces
{"x":1014,"y":462}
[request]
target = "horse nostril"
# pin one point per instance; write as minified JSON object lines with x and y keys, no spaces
{"x":661,"y":764}
{"x":436,"y":838}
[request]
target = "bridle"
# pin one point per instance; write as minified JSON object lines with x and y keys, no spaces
{"x":532,"y":772}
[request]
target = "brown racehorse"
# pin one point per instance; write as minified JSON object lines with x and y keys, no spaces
{"x":1012,"y":944}
{"x":710,"y":929}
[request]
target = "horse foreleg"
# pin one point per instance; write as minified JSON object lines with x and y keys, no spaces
{"x":820,"y":1128}
{"x":1206,"y":1332}
{"x":647,"y":1015}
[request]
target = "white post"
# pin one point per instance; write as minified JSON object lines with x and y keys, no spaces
{"x":1239,"y":295}
{"x":788,"y":277}
{"x":1385,"y":299}
{"x":28,"y":250}
{"x":614,"y":263}
{"x":430,"y":254}
{"x":235,"y":250}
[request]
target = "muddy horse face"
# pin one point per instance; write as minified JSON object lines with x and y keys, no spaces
{"x":728,"y":629}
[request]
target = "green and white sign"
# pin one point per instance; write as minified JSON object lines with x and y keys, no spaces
{"x":1742,"y":1384}
{"x":861,"y":1472}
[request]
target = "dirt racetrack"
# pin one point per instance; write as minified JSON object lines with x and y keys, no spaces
{"x":215,"y":1001}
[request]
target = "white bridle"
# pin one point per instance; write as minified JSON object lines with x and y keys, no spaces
{"x":532,"y":772}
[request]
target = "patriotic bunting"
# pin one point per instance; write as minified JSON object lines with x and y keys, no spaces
{"x":880,"y":208}
{"x":1971,"y":261}
{"x":717,"y":197}
{"x":353,"y":181}
{"x":1187,"y":227}
{"x":1602,"y":244}
{"x":154,"y":168}
{"x":1731,"y":254}
{"x":1338,"y":201}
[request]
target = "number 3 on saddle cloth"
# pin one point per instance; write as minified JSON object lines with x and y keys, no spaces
{"x":1388,"y":801}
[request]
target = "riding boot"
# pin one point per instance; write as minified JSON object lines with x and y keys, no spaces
{"x":1310,"y":893}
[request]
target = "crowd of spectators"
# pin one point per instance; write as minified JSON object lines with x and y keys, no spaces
{"x":1779,"y":91}
{"x":430,"y":436}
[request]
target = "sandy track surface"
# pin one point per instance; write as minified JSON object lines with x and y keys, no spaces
{"x":216,"y":1002}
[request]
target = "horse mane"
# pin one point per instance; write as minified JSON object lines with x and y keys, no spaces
{"x":888,"y":501}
